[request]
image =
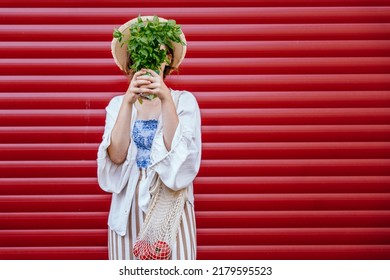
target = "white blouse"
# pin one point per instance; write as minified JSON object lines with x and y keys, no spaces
{"x":176,"y":168}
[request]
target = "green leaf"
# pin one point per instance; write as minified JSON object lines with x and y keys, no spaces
{"x":146,"y":39}
{"x":144,"y":52}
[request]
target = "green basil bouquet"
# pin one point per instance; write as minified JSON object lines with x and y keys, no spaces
{"x":146,"y":39}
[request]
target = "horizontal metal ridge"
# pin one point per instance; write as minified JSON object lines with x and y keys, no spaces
{"x":295,"y":252}
{"x":271,"y":202}
{"x":206,"y":237}
{"x":294,"y":219}
{"x":290,"y":236}
{"x":232,"y":167}
{"x":206,"y":49}
{"x":193,"y":3}
{"x":205,"y":202}
{"x":204,"y":66}
{"x":206,"y":15}
{"x":272,"y":82}
{"x":214,"y":133}
{"x":200,"y":32}
{"x":215,"y":116}
{"x":36,"y":186}
{"x":206,"y":99}
{"x":50,"y":238}
{"x":54,"y":253}
{"x":233,"y":252}
{"x":210,"y":185}
{"x":208,"y":219}
{"x":217,"y":150}
{"x":292,"y":184}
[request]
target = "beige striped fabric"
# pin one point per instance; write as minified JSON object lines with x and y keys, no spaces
{"x":121,"y":247}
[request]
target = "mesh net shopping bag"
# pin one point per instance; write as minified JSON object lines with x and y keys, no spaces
{"x":158,"y":232}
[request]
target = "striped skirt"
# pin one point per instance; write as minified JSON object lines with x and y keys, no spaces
{"x":184,"y":248}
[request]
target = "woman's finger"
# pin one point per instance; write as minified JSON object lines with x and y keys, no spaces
{"x":154,"y":85}
{"x":140,"y":90}
{"x":154,"y":74}
{"x":154,"y":91}
{"x":146,"y":78}
{"x":140,"y":71}
{"x":141,"y":82}
{"x":137,"y":74}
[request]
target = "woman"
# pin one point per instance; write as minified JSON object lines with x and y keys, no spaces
{"x":142,"y":142}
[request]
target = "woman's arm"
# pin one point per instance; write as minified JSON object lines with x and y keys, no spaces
{"x":170,"y":120}
{"x":120,"y":135}
{"x":112,"y":177}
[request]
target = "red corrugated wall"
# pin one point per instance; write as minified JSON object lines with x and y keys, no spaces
{"x":295,"y":104}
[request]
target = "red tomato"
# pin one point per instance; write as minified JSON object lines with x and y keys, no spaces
{"x":142,"y":250}
{"x":146,"y":253}
{"x":160,"y":250}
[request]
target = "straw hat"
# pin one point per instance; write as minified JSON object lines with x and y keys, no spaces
{"x":120,"y":53}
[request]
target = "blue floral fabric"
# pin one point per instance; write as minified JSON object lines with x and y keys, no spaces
{"x":143,"y":135}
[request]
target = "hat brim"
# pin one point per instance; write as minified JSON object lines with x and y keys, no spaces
{"x":120,"y":54}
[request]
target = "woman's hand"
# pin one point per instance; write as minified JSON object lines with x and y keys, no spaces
{"x":155,"y":86}
{"x":135,"y":87}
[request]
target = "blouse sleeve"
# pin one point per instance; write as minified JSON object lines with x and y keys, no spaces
{"x":111,"y":176}
{"x":178,"y":167}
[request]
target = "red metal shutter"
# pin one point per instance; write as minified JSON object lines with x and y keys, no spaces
{"x":294,"y":97}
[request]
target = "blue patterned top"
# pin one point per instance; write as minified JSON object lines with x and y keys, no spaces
{"x":143,"y":135}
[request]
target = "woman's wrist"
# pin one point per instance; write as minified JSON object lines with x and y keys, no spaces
{"x":129,"y":99}
{"x":167,"y":96}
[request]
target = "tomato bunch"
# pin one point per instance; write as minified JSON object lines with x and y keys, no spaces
{"x":160,"y":250}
